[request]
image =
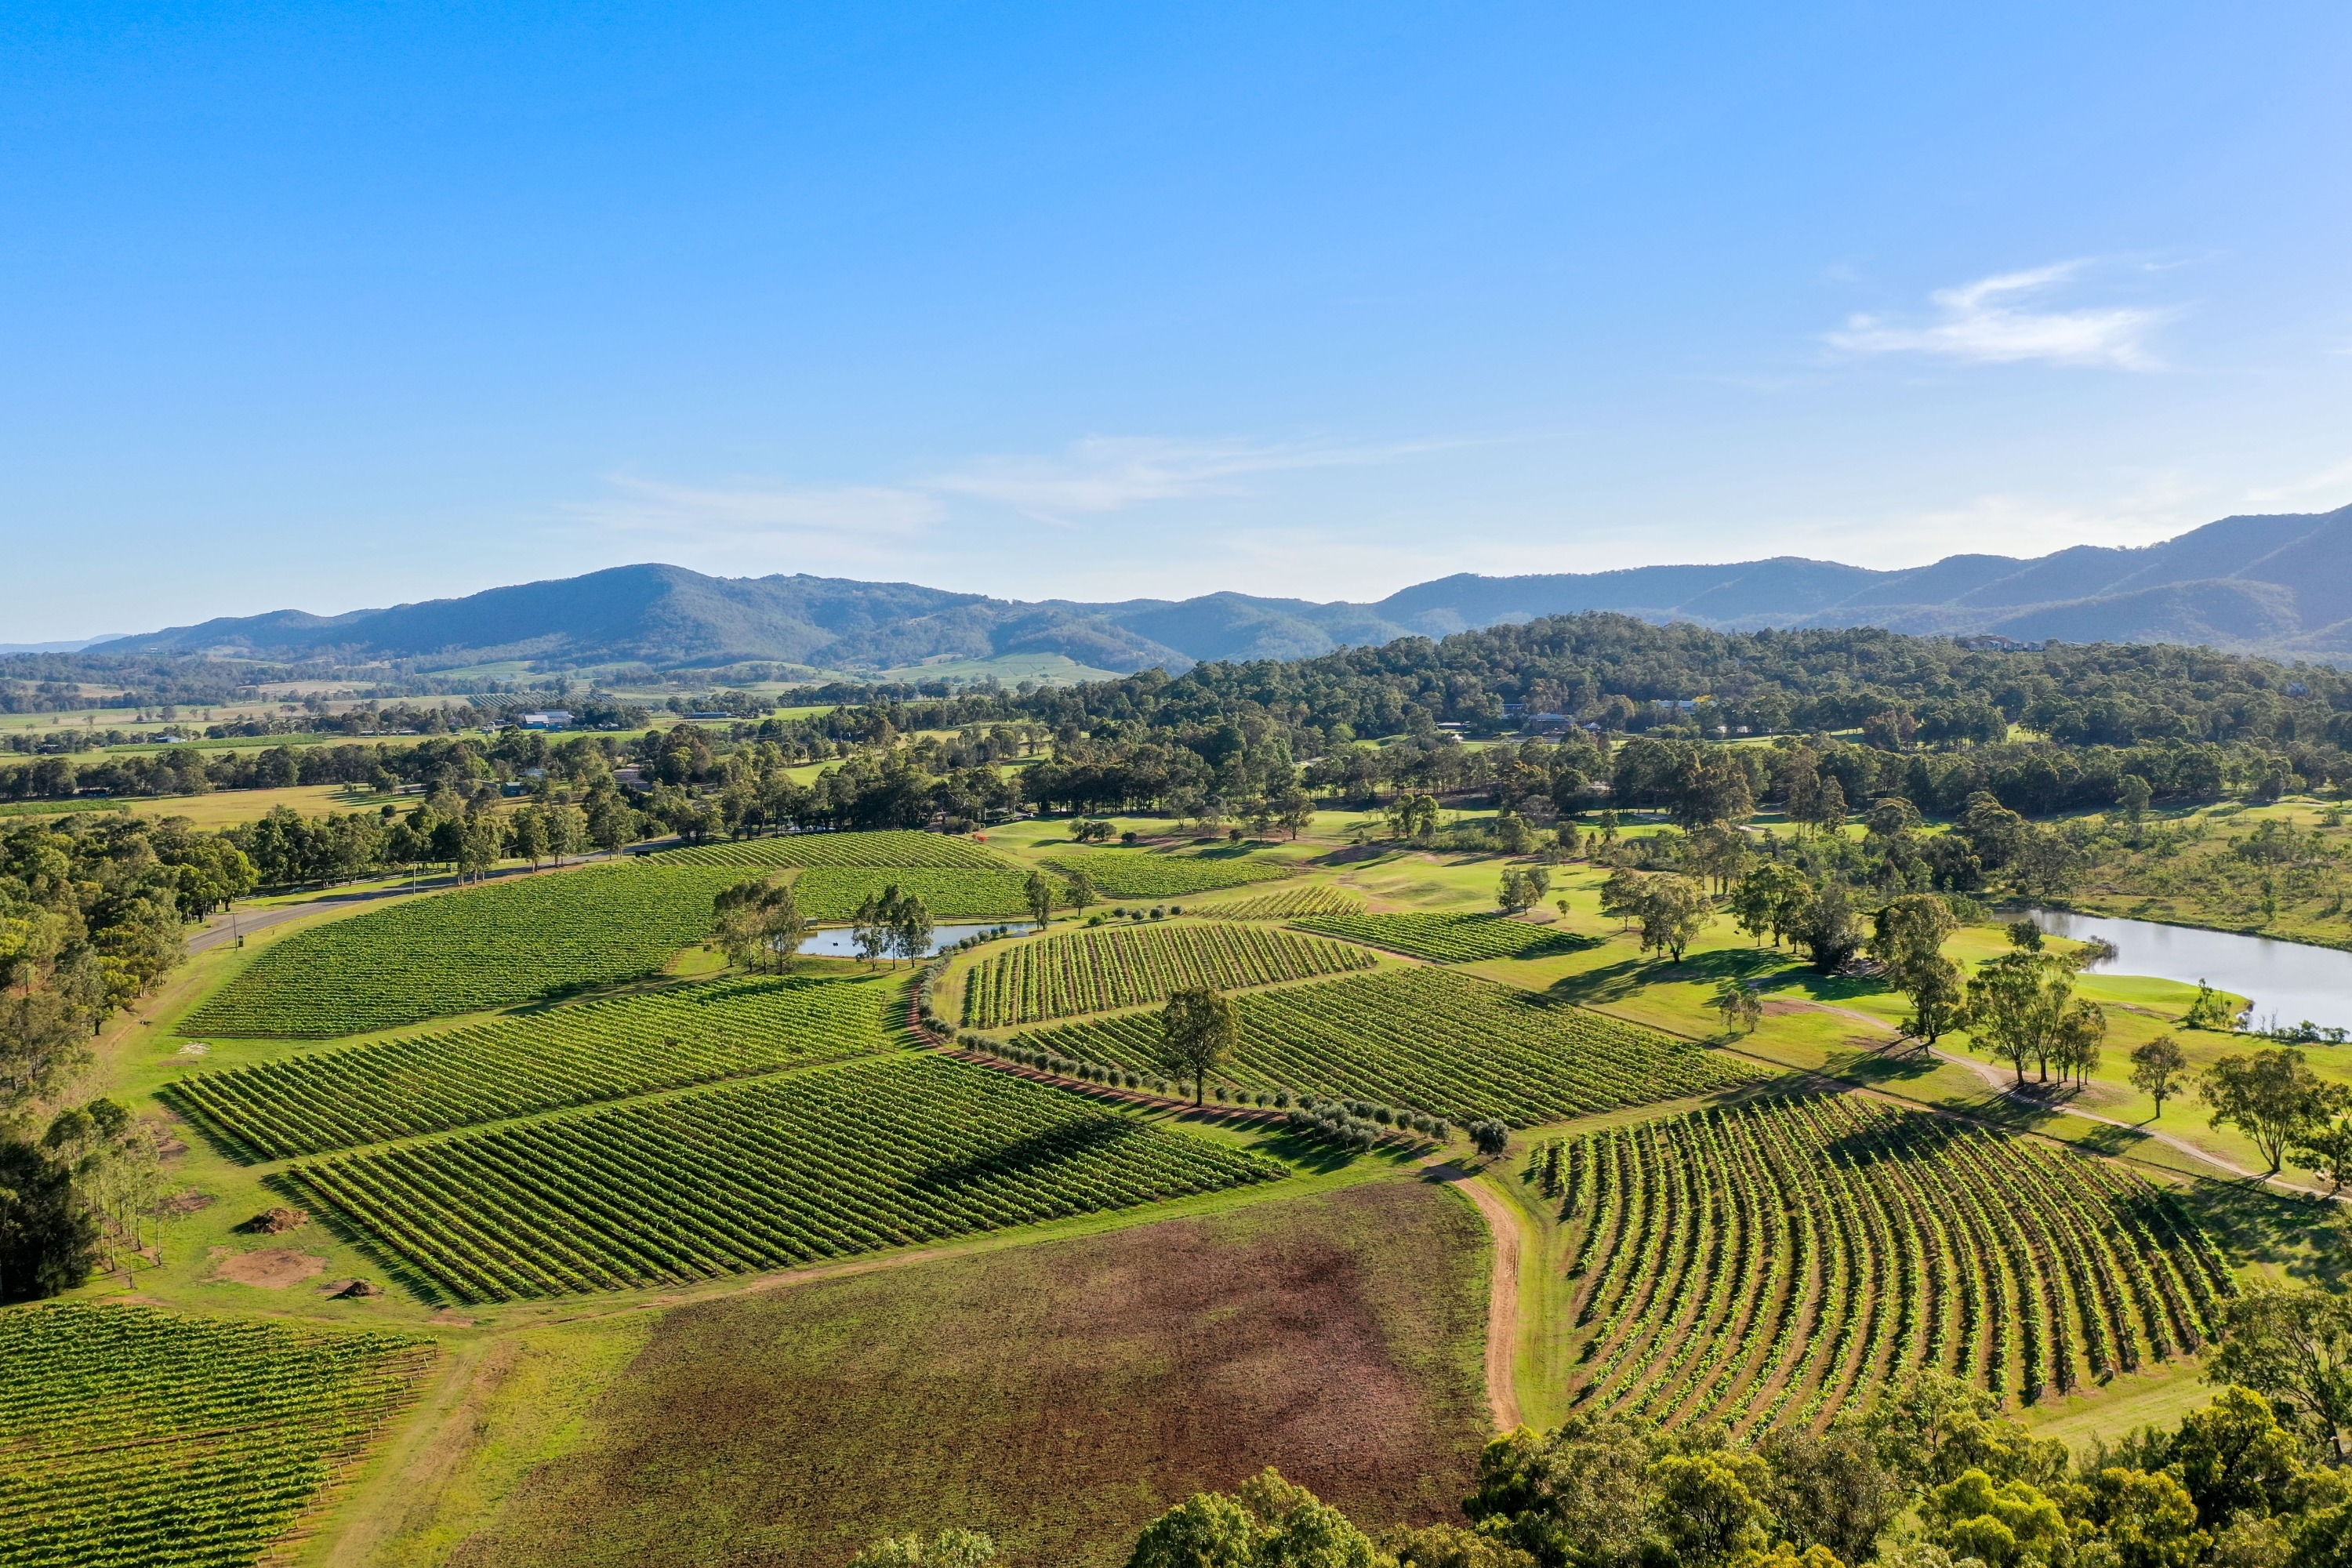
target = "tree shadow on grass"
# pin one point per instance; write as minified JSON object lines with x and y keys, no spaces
{"x":1311,"y":1156}
{"x":1354,"y":855}
{"x":1833,"y":987}
{"x":1615,"y":982}
{"x":1875,"y":1063}
{"x":1558,"y":943}
{"x":2251,"y":1222}
{"x":1609,"y":982}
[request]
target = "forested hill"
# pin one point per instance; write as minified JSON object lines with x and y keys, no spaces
{"x":2278,"y":584}
{"x":1629,"y":676}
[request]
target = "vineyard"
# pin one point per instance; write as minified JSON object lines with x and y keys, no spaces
{"x":131,"y":1437}
{"x":834,"y":892}
{"x":1768,"y":1262}
{"x":535,"y":1062}
{"x":762,"y":1174}
{"x":1289,"y":903}
{"x":1127,"y":967}
{"x":511,"y":941}
{"x":1450,"y":939}
{"x":1432,"y":1041}
{"x":893,"y":850}
{"x":1140,"y":874}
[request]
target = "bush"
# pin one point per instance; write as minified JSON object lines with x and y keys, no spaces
{"x":1330,"y":1123}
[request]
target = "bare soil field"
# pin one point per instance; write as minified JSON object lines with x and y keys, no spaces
{"x":1058,"y":1396}
{"x":270,"y":1268}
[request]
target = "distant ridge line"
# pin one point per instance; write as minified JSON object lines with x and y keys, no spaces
{"x":2274,"y":585}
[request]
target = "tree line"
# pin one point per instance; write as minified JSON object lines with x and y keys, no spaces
{"x":91,"y":914}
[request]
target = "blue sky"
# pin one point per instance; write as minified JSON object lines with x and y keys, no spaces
{"x":332,"y":307}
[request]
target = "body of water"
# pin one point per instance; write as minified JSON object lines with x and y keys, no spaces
{"x":2289,"y":981}
{"x":836,"y":941}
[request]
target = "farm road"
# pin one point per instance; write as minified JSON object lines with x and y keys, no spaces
{"x":1502,"y":1296}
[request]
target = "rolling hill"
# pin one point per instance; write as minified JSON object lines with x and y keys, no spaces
{"x":2279,"y":585}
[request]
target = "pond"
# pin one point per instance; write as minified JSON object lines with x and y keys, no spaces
{"x":2291,"y":981}
{"x":838,"y":941}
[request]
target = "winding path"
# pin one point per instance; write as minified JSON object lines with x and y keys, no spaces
{"x":1502,"y":1296}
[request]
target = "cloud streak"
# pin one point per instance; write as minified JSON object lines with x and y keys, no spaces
{"x":1093,"y":477}
{"x":1111,"y":473}
{"x":702,"y":512}
{"x":1994,"y":321}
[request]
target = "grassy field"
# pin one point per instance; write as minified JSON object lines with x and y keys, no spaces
{"x":1056,"y":1395}
{"x":220,"y":808}
{"x":2279,"y":869}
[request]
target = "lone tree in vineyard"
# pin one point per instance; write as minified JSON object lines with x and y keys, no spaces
{"x":1197,"y":1031}
{"x":1039,"y":895}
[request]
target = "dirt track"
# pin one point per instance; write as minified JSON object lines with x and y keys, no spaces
{"x":1502,"y":1298}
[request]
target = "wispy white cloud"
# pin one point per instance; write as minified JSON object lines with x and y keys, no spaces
{"x":756,"y":509}
{"x":1994,"y":322}
{"x":2156,"y":507}
{"x":2328,"y":486}
{"x":1111,"y":473}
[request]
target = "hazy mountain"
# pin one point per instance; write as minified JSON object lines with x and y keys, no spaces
{"x":72,"y":644}
{"x":2279,"y":585}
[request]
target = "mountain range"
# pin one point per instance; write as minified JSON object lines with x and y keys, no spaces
{"x":2279,"y":585}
